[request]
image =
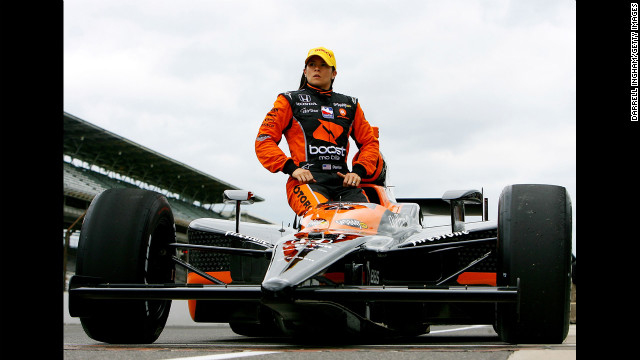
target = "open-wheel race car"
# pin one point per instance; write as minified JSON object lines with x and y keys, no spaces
{"x":343,"y":271}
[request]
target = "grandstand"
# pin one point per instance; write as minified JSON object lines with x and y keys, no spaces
{"x":95,"y":159}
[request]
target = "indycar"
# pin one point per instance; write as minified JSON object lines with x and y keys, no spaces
{"x":344,"y":271}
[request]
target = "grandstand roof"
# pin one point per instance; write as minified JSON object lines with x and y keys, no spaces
{"x":97,"y":146}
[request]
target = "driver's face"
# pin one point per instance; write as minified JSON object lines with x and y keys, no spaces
{"x":319,"y":73}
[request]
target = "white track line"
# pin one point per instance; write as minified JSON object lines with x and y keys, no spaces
{"x":458,"y":329}
{"x":228,"y":355}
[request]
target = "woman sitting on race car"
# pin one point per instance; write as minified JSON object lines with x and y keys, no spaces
{"x":317,"y":123}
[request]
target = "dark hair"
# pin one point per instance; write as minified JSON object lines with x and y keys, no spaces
{"x":303,"y":81}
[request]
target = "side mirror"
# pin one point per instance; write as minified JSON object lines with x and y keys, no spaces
{"x":238,"y":197}
{"x":231,"y":196}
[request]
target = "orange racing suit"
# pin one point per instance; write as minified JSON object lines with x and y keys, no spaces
{"x":317,"y":125}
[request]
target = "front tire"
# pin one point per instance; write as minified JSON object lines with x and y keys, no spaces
{"x":534,"y":253}
{"x":124,"y":240}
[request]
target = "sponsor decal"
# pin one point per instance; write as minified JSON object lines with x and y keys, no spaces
{"x":396,"y":220}
{"x":295,"y":249}
{"x":272,"y":113}
{"x":302,"y":197}
{"x":445,"y":236}
{"x":328,"y":131}
{"x":374,"y":276}
{"x":262,"y":137}
{"x":316,"y":222}
{"x":327,"y":112}
{"x":247,"y":237}
{"x":304,"y":97}
{"x":353,"y":223}
{"x":324,"y":51}
{"x":322,"y":150}
{"x":342,"y":112}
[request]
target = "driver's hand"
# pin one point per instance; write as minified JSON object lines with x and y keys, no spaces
{"x":303,"y":175}
{"x":351,"y":179}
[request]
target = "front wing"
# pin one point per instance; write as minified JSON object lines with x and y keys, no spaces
{"x":83,"y":288}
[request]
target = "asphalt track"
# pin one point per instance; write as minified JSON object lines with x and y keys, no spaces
{"x":183,"y":339}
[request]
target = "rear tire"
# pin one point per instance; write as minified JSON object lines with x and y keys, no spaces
{"x":124,"y":240}
{"x":534,"y":247}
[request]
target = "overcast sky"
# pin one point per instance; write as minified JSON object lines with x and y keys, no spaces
{"x":467,"y":95}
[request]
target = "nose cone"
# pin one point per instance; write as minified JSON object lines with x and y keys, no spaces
{"x":277,"y":289}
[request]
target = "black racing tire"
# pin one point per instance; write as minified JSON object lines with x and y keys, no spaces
{"x":124,"y":240}
{"x":534,"y":253}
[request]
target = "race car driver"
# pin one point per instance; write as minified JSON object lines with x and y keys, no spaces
{"x":317,"y":123}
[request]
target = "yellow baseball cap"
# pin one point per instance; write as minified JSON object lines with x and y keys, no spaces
{"x":324,"y":53}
